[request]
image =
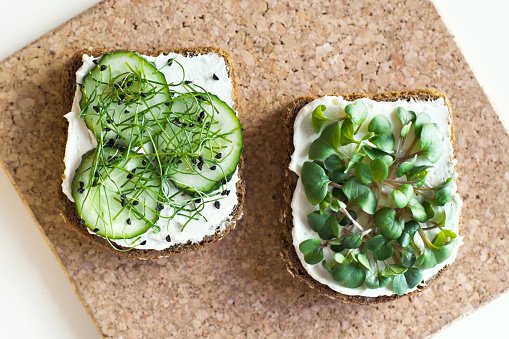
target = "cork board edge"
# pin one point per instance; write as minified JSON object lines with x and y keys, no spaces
{"x":51,"y":247}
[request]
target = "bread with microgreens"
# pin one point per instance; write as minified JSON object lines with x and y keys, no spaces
{"x":333,"y":252}
{"x":151,"y":149}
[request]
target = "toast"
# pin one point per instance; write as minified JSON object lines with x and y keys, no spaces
{"x":69,"y":211}
{"x":288,"y":251}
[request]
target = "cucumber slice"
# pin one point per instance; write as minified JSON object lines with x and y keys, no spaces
{"x":123,"y":96}
{"x":111,"y":199}
{"x":202,"y":142}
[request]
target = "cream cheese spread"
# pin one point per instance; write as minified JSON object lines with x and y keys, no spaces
{"x":200,"y":70}
{"x":443,"y":169}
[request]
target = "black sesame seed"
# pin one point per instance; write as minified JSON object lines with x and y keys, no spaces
{"x":96,"y":174}
{"x":198,"y":201}
{"x":82,"y":184}
{"x":184,"y":125}
{"x":192,"y":125}
{"x":120,"y":102}
{"x":217,"y":204}
{"x":143,"y":95}
{"x":94,"y":184}
{"x":80,"y":190}
{"x":135,"y":202}
{"x":126,"y":111}
{"x":168,"y":238}
{"x":215,"y":77}
{"x":128,"y":221}
{"x":121,"y":148}
{"x":207,"y":125}
{"x":223,"y":192}
{"x":176,"y":121}
{"x":108,"y":121}
{"x":170,"y":61}
{"x":143,"y":242}
{"x":123,"y":202}
{"x":193,"y":161}
{"x":82,"y":222}
{"x":117,"y":136}
{"x":223,"y":181}
{"x":202,"y":115}
{"x":159,"y":207}
{"x":114,"y":158}
{"x":103,"y":67}
{"x":200,"y":158}
{"x":95,"y":61}
{"x":213,"y":168}
{"x":129,"y":83}
{"x":96,"y":230}
{"x":110,"y":142}
{"x":133,"y":170}
{"x":219,"y":155}
{"x":179,"y":162}
{"x":200,"y":166}
{"x":143,"y":162}
{"x":227,"y":192}
{"x":96,"y":109}
{"x":121,"y":96}
{"x":129,"y":176}
{"x":143,"y":132}
{"x":81,"y":85}
{"x":123,"y":196}
{"x":187,"y":82}
{"x":167,"y":104}
{"x":106,"y":129}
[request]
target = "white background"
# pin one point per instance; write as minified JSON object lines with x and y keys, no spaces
{"x":36,"y":298}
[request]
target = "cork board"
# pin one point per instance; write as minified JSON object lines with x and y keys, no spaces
{"x":282,"y":50}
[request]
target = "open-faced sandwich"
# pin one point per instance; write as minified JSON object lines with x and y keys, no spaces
{"x":370,"y":208}
{"x":153,"y":146}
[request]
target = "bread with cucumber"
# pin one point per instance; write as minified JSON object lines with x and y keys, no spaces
{"x":370,"y":210}
{"x":151,"y":149}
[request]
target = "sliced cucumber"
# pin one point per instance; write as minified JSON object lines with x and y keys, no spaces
{"x":202,"y":142}
{"x":116,"y":197}
{"x":124,"y":96}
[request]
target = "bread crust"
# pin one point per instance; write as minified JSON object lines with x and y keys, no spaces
{"x":289,"y":181}
{"x":68,"y":207}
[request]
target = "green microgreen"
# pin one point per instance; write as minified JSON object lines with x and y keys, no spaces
{"x":347,"y":131}
{"x":327,"y":144}
{"x":352,"y":275}
{"x":363,"y":174}
{"x":372,"y":198}
{"x":376,"y":281}
{"x":407,"y":280}
{"x":357,"y":111}
{"x":315,"y":181}
{"x":317,"y":119}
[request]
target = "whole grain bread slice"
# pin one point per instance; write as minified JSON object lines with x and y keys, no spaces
{"x":69,"y":212}
{"x":289,"y":181}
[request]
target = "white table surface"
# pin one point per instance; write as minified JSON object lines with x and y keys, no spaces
{"x":37,"y":300}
